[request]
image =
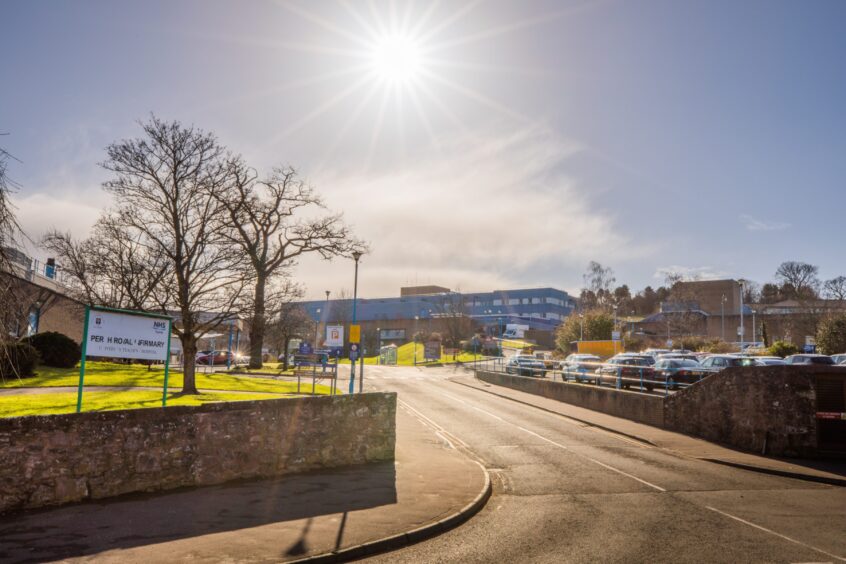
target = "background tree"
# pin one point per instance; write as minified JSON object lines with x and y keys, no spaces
{"x":452,"y":312}
{"x":265,"y":220}
{"x":598,"y":326}
{"x":110,"y":268}
{"x":835,"y":289}
{"x":166,"y":186}
{"x":831,"y":335}
{"x":599,"y":280}
{"x":799,"y":280}
{"x":770,"y":293}
{"x":290,"y":321}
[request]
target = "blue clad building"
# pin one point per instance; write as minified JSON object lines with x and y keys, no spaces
{"x":424,"y":307}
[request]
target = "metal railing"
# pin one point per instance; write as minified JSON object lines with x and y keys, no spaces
{"x":603,"y":374}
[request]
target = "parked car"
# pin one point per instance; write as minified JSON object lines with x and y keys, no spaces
{"x":656,"y":352}
{"x":648,"y":358}
{"x":809,"y":359}
{"x":770,"y":360}
{"x":671,"y":372}
{"x":629,"y":369}
{"x":217,"y":358}
{"x":580,"y":366}
{"x":525,"y":365}
{"x":839,"y":358}
{"x":718,"y":362}
{"x":678,"y":356}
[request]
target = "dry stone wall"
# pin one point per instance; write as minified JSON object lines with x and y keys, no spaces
{"x":57,"y":459}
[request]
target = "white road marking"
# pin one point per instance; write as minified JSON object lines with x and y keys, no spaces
{"x":766,"y":530}
{"x":550,"y":441}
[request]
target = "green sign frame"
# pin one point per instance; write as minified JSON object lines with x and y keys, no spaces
{"x":88,"y":310}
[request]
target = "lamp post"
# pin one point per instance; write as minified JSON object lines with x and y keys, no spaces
{"x":581,"y":326}
{"x":379,"y":345}
{"x":741,"y":281}
{"x":723,"y":317}
{"x":754,"y":336}
{"x":499,"y":322}
{"x":356,"y":255}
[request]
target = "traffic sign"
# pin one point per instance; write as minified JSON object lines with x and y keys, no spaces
{"x":355,"y":333}
{"x":353,"y":351}
{"x":615,"y":335}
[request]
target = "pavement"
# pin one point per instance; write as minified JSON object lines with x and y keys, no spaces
{"x":322,"y":516}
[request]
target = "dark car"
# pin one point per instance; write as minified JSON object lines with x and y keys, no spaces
{"x":809,"y":359}
{"x":671,"y":372}
{"x":524,"y":365}
{"x":630,"y":370}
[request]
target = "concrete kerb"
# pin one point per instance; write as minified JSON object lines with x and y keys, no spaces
{"x":840,"y":482}
{"x":401,"y":540}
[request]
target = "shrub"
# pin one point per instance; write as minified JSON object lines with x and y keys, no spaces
{"x":17,"y":360}
{"x":782,"y":349}
{"x":56,"y":349}
{"x":831,"y":335}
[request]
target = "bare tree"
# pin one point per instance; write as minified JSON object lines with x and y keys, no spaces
{"x":835,"y":289}
{"x":265,"y":221}
{"x":110,"y":268}
{"x":451,"y":309}
{"x":799,"y":279}
{"x":166,"y":186}
{"x":289,"y":321}
{"x":599,"y":280}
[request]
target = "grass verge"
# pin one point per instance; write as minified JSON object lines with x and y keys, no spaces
{"x":53,"y":403}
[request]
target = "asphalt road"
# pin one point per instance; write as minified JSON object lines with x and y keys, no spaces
{"x":565,"y":492}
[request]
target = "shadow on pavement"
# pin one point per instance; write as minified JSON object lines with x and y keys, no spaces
{"x":91,"y":528}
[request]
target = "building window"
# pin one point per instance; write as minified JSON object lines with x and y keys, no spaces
{"x":536,"y":300}
{"x":513,"y":301}
{"x":497,"y":302}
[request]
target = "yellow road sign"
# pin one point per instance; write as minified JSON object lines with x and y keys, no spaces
{"x":355,"y":333}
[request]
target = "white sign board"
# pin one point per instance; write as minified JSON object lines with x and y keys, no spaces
{"x":121,"y":335}
{"x":334,"y":336}
{"x":615,"y":335}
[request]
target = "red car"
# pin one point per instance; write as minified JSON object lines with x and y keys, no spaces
{"x":215,"y":358}
{"x":631,"y":370}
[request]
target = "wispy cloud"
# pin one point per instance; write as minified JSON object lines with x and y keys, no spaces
{"x":755,"y":224}
{"x":484,"y":212}
{"x":690,"y":273}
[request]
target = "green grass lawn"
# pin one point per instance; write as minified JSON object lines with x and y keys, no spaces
{"x":49,"y":404}
{"x":405,"y":356}
{"x":112,"y":374}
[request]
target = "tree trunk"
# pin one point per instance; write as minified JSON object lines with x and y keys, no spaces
{"x":257,"y":325}
{"x":189,"y":356}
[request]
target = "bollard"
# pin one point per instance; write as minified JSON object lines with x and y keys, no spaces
{"x":619,"y":378}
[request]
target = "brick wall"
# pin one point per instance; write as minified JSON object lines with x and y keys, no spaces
{"x":57,"y":459}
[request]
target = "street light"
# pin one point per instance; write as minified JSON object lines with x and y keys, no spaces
{"x":379,"y":345}
{"x":741,"y":282}
{"x":356,"y":255}
{"x":581,"y":326}
{"x":723,"y":317}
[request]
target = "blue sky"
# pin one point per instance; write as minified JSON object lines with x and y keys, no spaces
{"x":528,"y":139}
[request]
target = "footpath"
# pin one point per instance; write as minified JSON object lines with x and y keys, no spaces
{"x":319,"y":516}
{"x":825,"y":471}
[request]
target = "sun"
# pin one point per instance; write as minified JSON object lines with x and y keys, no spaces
{"x":397,"y":59}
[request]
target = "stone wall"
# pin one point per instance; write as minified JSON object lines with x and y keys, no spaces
{"x":57,"y":459}
{"x":636,"y":406}
{"x":752,"y":408}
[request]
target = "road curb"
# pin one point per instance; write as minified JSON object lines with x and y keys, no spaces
{"x":401,"y":540}
{"x":841,"y":482}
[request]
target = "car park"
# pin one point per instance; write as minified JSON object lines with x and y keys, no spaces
{"x":629,"y":370}
{"x":807,"y":359}
{"x":525,"y":365}
{"x":723,"y":361}
{"x":671,"y":372}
